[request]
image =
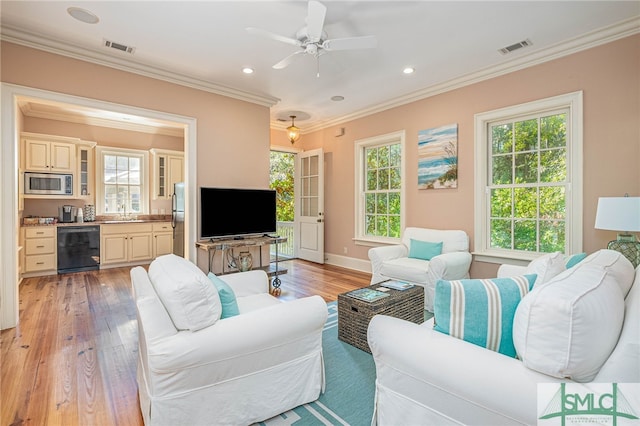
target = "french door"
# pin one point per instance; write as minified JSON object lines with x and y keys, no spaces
{"x":309,"y":190}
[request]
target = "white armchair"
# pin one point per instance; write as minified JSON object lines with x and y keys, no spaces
{"x":393,"y":262}
{"x":238,"y":370}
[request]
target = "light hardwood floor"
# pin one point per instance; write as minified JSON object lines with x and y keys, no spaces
{"x":72,"y":358}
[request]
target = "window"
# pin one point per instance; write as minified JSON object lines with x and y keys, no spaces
{"x":528,"y":179}
{"x":379,"y":188}
{"x":122,"y":181}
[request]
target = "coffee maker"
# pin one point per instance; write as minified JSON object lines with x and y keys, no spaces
{"x":67,"y":213}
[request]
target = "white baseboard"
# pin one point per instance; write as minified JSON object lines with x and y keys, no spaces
{"x":348,"y":262}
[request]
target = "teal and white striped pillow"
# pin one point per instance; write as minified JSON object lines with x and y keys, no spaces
{"x":481,"y":311}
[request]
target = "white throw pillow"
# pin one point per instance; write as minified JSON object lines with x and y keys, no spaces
{"x":546,"y":267}
{"x":186,"y":293}
{"x":568,"y":327}
{"x":617,"y":264}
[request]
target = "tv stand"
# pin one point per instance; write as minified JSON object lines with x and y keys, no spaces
{"x":213,"y":245}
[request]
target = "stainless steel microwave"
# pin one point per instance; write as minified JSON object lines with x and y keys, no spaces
{"x":48,"y":183}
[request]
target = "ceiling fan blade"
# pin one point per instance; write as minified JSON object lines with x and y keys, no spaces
{"x":273,"y":36}
{"x":347,"y":43}
{"x":315,"y":20}
{"x":286,"y":61}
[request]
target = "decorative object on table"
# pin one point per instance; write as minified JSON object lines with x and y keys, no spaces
{"x":397,"y":285}
{"x":438,"y":157}
{"x":245,"y":261}
{"x":621,"y":214}
{"x":89,"y":213}
{"x":367,"y":294}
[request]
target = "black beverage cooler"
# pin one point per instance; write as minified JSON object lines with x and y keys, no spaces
{"x":78,"y":248}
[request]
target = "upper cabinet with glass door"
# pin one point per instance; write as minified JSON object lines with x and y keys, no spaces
{"x":85,"y":176}
{"x":168,"y":169}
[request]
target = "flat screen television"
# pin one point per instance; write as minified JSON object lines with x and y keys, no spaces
{"x":233,"y":212}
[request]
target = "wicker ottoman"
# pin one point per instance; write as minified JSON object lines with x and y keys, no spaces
{"x":354,"y":314}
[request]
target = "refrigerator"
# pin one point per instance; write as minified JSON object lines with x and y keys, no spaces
{"x":177,"y":218}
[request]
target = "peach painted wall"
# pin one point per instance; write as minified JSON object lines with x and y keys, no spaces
{"x":227,"y":128}
{"x":609,"y":77}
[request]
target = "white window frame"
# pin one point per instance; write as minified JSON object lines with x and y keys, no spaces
{"x":574,"y":198}
{"x":101,"y":151}
{"x":360,"y":146}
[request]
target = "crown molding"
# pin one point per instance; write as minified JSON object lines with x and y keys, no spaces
{"x":41,"y":42}
{"x":596,"y":38}
{"x":102,"y":122}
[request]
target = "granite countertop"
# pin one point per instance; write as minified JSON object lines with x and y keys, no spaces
{"x":106,"y":220}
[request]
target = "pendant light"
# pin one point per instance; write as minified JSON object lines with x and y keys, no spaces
{"x":292,"y":131}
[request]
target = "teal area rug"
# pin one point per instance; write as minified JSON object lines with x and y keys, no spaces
{"x":350,"y":376}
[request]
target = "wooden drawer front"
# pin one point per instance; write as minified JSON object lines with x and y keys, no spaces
{"x":40,"y":262}
{"x":40,"y":246}
{"x":40,"y":232}
{"x":125,"y":228}
{"x":162,"y":227}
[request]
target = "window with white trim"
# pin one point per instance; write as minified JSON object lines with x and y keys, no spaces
{"x":122,"y":184}
{"x":529,"y":179}
{"x":379,"y":166}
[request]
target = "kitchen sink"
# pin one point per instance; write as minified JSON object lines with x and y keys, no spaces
{"x":124,"y":221}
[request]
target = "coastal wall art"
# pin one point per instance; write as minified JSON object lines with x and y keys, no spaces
{"x":438,"y":157}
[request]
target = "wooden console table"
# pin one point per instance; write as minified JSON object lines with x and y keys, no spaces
{"x":213,"y":245}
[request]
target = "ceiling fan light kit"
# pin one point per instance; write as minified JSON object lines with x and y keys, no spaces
{"x":313,"y":40}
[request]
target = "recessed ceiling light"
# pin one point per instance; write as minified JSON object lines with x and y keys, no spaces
{"x":247,"y":70}
{"x":337,"y":98}
{"x":83,"y":15}
{"x":408,"y":70}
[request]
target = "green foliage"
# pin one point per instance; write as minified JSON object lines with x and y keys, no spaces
{"x":281,"y":179}
{"x":382,"y":193}
{"x":528,"y":172}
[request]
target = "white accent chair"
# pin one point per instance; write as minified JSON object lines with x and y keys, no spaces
{"x":239,"y":370}
{"x":392,"y":262}
{"x":430,"y":378}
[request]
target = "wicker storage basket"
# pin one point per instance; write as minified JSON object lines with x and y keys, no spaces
{"x":354,"y":314}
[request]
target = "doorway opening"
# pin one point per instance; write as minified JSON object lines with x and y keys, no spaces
{"x":281,"y":179}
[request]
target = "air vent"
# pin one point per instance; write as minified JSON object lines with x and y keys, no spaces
{"x":118,"y":46}
{"x":516,"y":46}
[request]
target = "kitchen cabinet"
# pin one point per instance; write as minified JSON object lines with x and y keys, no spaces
{"x":126,"y":243}
{"x":168,"y":168}
{"x":86,"y":173}
{"x":40,"y":257}
{"x":48,"y":153}
{"x":162,"y":239}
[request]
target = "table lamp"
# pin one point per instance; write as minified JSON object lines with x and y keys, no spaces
{"x":621,"y":214}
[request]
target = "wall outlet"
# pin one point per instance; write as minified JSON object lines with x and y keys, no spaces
{"x":345,"y":250}
{"x":162,"y":211}
{"x":154,"y":211}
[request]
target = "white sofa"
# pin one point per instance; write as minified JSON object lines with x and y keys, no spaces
{"x":392,"y":262}
{"x":194,"y":369}
{"x":425,"y":377}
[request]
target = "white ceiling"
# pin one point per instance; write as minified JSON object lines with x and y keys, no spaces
{"x":205,"y":44}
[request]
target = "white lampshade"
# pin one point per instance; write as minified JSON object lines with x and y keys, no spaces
{"x":618,"y":214}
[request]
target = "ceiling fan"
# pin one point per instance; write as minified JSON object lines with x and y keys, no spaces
{"x":313,"y":40}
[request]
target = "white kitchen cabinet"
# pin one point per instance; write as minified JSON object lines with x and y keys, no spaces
{"x":126,"y":243}
{"x":168,"y":168}
{"x":40,"y":254}
{"x":48,"y":153}
{"x":162,"y":239}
